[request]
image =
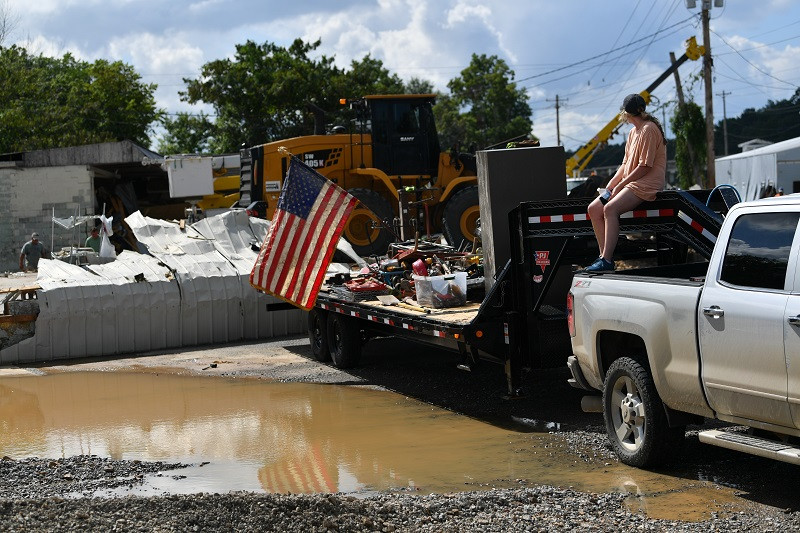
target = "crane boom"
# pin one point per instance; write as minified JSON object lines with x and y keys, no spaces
{"x":584,"y":154}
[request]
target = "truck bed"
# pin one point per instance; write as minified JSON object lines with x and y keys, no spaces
{"x":683,"y":274}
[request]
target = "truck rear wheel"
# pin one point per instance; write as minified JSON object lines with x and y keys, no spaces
{"x":460,"y":218}
{"x":636,"y":422}
{"x":318,"y":335}
{"x":344,"y":340}
{"x":364,"y":229}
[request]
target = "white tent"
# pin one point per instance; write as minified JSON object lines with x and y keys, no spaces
{"x":753,"y":171}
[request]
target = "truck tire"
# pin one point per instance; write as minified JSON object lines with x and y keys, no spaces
{"x":636,"y":422}
{"x":364,"y":230}
{"x":460,"y":217}
{"x":318,"y":335}
{"x":344,"y":340}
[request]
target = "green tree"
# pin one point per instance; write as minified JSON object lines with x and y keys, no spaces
{"x":688,"y":125}
{"x":261,"y":93}
{"x":775,"y":122}
{"x":485,"y":107}
{"x":50,"y":102}
{"x":419,"y":86}
{"x":368,"y":76}
{"x":186,"y":134}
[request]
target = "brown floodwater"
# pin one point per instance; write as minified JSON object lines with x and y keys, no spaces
{"x":248,"y":434}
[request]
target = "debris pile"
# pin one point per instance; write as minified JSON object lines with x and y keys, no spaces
{"x":419,"y":274}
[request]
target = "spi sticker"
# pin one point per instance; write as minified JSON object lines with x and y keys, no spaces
{"x":543,"y":259}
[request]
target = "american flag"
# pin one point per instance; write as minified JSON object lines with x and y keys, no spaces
{"x":310,"y":217}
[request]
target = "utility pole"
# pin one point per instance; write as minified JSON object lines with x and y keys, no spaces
{"x":558,"y":126}
{"x":710,"y":170}
{"x":723,"y":94}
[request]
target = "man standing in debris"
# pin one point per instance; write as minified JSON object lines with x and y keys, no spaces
{"x":32,"y":251}
{"x":93,"y":241}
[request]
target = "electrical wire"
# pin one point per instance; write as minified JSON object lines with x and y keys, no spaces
{"x":749,"y":62}
{"x":615,"y":43}
{"x":792,"y":38}
{"x":603,"y":54}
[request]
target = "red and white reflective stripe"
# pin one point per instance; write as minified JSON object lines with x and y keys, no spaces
{"x":354,"y":313}
{"x":505,"y":332}
{"x":325,"y":306}
{"x":379,"y":319}
{"x":697,"y":227}
{"x":648,"y":213}
{"x":407,"y":326}
{"x":581,"y":217}
{"x":437,"y":333}
{"x":567,"y":217}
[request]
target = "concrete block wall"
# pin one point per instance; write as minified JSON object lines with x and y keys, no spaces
{"x":27,"y":199}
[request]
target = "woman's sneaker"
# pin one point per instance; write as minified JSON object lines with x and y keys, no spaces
{"x":601,"y":265}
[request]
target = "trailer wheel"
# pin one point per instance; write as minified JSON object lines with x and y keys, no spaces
{"x":344,"y":340}
{"x":318,"y":335}
{"x":364,"y":229}
{"x":636,"y":422}
{"x":460,"y":218}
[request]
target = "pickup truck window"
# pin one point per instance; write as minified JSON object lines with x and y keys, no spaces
{"x":758,"y":250}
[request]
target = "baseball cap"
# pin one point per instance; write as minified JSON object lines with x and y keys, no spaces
{"x":34,"y":235}
{"x":633,"y":104}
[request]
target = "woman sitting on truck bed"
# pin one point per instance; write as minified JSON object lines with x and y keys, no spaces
{"x":639,"y":178}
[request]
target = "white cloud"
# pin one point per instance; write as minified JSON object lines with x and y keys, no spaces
{"x":157,"y":53}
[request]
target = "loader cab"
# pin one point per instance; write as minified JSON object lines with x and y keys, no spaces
{"x":404,"y":137}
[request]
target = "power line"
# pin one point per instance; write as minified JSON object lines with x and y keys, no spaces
{"x":630,"y":17}
{"x":792,"y":38}
{"x":749,"y":62}
{"x":774,"y":30}
{"x":604,"y":53}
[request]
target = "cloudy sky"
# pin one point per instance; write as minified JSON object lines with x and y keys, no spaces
{"x":589,"y":53}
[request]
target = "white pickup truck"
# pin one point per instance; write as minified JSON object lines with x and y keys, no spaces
{"x":718,"y":339}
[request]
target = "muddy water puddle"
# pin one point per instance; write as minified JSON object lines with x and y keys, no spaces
{"x":247,"y":434}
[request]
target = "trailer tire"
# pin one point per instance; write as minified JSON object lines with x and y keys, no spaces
{"x":636,"y":422}
{"x":344,"y":340}
{"x":460,"y":217}
{"x":364,"y":229}
{"x":318,"y":335}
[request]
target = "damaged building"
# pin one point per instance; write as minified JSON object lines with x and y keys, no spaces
{"x":79,"y":180}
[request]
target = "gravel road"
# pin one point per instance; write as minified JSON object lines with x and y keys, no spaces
{"x":55,"y":494}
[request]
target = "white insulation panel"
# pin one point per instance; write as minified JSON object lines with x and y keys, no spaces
{"x":193,"y":289}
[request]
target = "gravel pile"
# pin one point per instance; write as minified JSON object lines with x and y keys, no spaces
{"x":33,"y":497}
{"x":82,"y":475}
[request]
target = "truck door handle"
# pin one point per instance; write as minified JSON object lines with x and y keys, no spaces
{"x":794,"y":320}
{"x":714,"y":311}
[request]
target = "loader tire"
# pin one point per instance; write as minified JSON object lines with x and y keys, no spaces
{"x":460,"y":218}
{"x":344,"y":340}
{"x":318,"y":335}
{"x":364,"y":229}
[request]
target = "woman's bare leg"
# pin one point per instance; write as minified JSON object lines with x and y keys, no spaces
{"x":595,"y":211}
{"x":622,"y":202}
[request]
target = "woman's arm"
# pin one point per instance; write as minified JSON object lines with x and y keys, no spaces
{"x":638,"y":172}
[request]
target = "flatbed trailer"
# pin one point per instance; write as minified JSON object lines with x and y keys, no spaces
{"x":516,"y":325}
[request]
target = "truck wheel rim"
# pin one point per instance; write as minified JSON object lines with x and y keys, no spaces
{"x":469,"y":221}
{"x":627,"y":414}
{"x":317,"y":335}
{"x":363,"y":228}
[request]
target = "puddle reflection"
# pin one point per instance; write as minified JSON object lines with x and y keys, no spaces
{"x":246,"y":434}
